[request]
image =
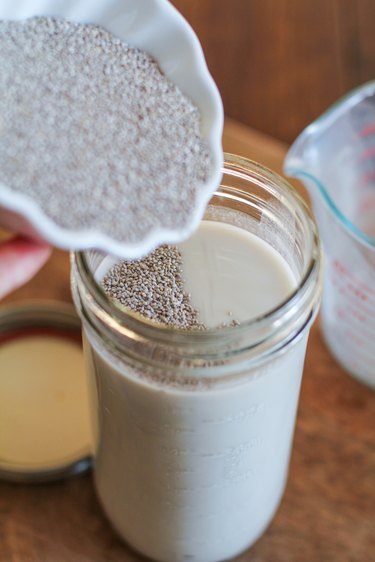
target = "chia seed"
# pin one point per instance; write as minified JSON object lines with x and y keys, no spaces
{"x":154,"y":287}
{"x":93,"y":131}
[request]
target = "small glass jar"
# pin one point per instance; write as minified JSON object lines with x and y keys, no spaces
{"x":193,"y":430}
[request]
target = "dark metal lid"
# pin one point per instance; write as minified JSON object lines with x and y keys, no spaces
{"x":44,"y":420}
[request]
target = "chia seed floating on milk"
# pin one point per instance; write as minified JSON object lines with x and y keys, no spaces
{"x":93,"y":131}
{"x":154,"y":287}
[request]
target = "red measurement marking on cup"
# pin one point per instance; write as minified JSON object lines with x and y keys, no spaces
{"x":341,"y":313}
{"x":348,"y":309}
{"x":356,"y":338}
{"x":369,"y":130}
{"x":364,"y":157}
{"x":366,"y":154}
{"x":353,"y":307}
{"x":354,"y":344}
{"x":367,"y":203}
{"x":368,"y":178}
{"x":358,"y":285}
{"x":359,"y":309}
{"x":356,"y":291}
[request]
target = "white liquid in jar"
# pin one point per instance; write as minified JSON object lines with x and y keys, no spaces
{"x":232,"y":274}
{"x":197,"y":474}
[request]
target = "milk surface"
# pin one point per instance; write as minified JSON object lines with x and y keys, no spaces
{"x":197,"y":474}
{"x":232,"y":274}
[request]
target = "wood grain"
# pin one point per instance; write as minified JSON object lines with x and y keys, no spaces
{"x":280,"y":63}
{"x":328,"y":511}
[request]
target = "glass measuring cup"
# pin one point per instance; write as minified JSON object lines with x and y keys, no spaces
{"x":335,"y":159}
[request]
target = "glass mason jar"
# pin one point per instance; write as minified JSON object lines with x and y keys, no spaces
{"x":193,"y":430}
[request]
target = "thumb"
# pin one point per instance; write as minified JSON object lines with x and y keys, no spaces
{"x":20,"y":259}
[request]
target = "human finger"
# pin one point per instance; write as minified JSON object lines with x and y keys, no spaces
{"x":20,"y":259}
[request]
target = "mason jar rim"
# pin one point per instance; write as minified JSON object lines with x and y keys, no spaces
{"x":306,"y":293}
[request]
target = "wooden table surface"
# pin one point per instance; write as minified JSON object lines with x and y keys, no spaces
{"x":328,"y":511}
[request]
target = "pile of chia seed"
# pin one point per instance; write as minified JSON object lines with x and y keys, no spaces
{"x":154,"y":287}
{"x":93,"y":131}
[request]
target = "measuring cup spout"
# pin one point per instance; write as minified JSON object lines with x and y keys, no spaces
{"x":302,"y":162}
{"x":306,"y":162}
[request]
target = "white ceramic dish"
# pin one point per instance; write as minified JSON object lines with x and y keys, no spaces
{"x":156,"y":27}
